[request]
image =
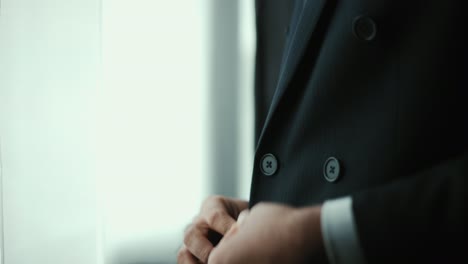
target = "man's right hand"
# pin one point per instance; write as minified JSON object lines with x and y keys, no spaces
{"x":217,"y":214}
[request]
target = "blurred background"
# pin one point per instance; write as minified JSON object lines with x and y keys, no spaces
{"x":117,"y":118}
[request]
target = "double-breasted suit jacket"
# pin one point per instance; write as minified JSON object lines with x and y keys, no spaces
{"x":368,"y":99}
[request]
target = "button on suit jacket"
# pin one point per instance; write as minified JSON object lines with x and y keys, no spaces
{"x":381,"y":85}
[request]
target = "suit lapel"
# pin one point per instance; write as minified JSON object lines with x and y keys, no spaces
{"x":303,"y":24}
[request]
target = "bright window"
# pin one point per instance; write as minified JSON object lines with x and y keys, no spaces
{"x":112,"y":124}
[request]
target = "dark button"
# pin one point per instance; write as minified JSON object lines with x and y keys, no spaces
{"x":268,"y":164}
{"x":331,"y":169}
{"x":364,"y":28}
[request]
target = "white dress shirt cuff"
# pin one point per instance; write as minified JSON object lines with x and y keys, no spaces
{"x":339,"y":232}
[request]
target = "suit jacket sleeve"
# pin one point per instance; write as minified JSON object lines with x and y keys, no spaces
{"x":421,"y":218}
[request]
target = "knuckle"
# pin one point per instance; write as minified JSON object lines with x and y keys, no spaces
{"x":204,"y":254}
{"x":188,"y":230}
{"x":187,"y":241}
{"x":215,"y":216}
{"x":189,"y":233}
{"x":181,"y":255}
{"x":215,"y":199}
{"x":199,"y":222}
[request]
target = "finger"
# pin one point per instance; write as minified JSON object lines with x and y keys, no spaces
{"x":185,"y":257}
{"x":227,"y":252}
{"x":198,"y":244}
{"x":231,"y":232}
{"x":235,"y":227}
{"x":242,"y":216}
{"x":219,"y":221}
{"x":214,"y":257}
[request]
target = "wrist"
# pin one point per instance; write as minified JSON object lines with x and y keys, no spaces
{"x":310,"y":234}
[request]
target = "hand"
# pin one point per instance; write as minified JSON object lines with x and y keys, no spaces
{"x":216,"y":217}
{"x":272,"y":233}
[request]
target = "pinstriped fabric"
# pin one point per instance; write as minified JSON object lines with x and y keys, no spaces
{"x":392,"y":109}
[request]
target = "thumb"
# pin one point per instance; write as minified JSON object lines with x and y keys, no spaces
{"x":235,"y":227}
{"x":242,"y":216}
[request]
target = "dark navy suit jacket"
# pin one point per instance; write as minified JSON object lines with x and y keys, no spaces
{"x":382,"y":85}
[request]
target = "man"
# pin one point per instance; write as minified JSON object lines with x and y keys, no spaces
{"x":362,"y":153}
